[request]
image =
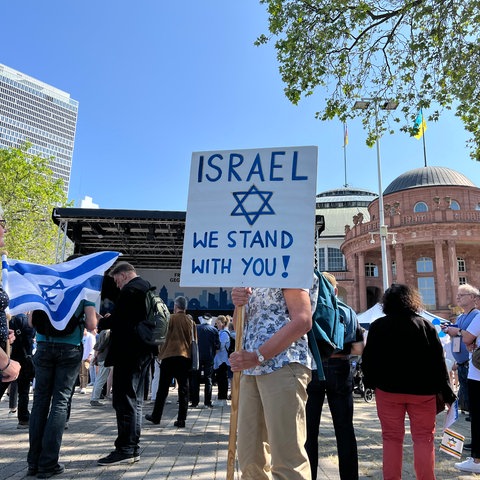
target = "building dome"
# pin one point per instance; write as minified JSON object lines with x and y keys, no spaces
{"x":339,"y":205}
{"x":426,"y":177}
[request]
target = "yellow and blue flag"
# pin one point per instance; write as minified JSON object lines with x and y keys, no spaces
{"x":420,"y":125}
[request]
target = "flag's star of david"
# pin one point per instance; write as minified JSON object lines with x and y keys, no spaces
{"x":451,"y":442}
{"x":261,"y":204}
{"x":58,"y":285}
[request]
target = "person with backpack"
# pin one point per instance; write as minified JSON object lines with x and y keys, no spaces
{"x":57,"y":361}
{"x":221,"y":361}
{"x":338,"y":386}
{"x":276,"y":368}
{"x":130,"y":356}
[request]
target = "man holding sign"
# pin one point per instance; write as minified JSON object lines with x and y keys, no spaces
{"x":276,"y":367}
{"x":250,"y":224}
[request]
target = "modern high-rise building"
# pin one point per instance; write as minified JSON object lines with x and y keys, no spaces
{"x":35,"y":112}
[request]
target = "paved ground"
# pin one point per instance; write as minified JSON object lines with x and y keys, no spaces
{"x":196,"y":452}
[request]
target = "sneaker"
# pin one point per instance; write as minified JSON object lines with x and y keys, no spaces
{"x":12,"y":411}
{"x":467,"y":446}
{"x":150,"y":419}
{"x":193,"y":405}
{"x":179,"y":424}
{"x":96,"y":403}
{"x":114,"y":458}
{"x":22,"y":425}
{"x":468,"y":465}
{"x":83,"y":391}
{"x":208,"y":405}
{"x":57,"y":470}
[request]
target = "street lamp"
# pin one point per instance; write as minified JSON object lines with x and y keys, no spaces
{"x":364,"y":104}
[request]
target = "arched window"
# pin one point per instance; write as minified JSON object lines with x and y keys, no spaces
{"x":454,"y":205}
{"x":461,"y":265}
{"x":420,"y":207}
{"x":424,"y":265}
{"x":371,"y":270}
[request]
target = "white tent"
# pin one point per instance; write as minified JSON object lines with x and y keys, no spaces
{"x":376,"y":312}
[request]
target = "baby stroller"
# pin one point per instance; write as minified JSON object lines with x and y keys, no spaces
{"x":358,"y":385}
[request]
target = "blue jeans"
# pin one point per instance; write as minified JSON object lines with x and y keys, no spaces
{"x":100,"y":380}
{"x":338,"y":385}
{"x":127,"y":400}
{"x":56,"y":368}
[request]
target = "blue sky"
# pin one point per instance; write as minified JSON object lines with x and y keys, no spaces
{"x":159,"y":80}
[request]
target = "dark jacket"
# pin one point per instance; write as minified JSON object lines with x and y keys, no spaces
{"x":404,"y":355}
{"x":126,"y":348}
{"x":208,"y":342}
{"x":24,"y":334}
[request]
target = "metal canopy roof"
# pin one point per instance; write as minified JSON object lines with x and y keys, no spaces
{"x":146,"y":238}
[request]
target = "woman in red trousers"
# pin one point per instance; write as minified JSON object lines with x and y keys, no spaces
{"x":403,"y":361}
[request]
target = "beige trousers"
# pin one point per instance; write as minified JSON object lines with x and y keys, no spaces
{"x":271,"y":425}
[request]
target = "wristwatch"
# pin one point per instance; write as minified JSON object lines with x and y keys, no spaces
{"x":260,"y":357}
{"x":459,"y":332}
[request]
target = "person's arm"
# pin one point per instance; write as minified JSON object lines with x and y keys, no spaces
{"x":90,"y":317}
{"x":9,"y":369}
{"x":300,"y":312}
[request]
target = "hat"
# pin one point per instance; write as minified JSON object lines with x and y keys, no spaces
{"x":206,"y":318}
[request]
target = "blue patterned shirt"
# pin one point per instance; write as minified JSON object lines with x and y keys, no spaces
{"x":265,"y":314}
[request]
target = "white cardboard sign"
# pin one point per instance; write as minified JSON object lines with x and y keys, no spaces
{"x":251,"y":218}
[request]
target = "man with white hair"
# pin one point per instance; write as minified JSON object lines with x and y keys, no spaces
{"x":208,"y":344}
{"x":466,"y":299}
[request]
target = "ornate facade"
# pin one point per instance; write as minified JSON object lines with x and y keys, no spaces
{"x":433,"y":219}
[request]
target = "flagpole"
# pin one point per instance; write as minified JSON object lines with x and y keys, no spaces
{"x":345,"y":143}
{"x":424,"y":149}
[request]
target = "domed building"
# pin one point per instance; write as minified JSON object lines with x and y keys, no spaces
{"x":432,"y":215}
{"x":338,"y":207}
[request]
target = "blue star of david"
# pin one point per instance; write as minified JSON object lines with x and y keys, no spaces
{"x":58,"y":285}
{"x":252,"y":215}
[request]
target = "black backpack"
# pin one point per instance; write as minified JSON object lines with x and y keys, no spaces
{"x":153,"y":330}
{"x":42,"y":324}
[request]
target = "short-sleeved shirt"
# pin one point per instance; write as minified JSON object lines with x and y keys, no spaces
{"x":474,"y":329}
{"x":74,"y":338}
{"x":266,"y":313}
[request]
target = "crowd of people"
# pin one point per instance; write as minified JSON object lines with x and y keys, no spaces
{"x":281,"y":399}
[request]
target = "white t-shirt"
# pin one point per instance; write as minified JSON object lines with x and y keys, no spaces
{"x":474,"y":329}
{"x":88,"y":341}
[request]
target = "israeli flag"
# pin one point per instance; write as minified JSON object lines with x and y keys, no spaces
{"x":55,"y":289}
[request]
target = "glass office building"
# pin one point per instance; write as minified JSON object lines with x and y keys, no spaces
{"x":32,"y":111}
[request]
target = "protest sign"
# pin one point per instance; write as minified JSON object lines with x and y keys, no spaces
{"x":251,"y":218}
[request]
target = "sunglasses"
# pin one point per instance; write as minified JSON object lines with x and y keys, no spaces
{"x":3,"y":223}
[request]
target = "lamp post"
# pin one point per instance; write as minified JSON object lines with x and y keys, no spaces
{"x":363,"y":104}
